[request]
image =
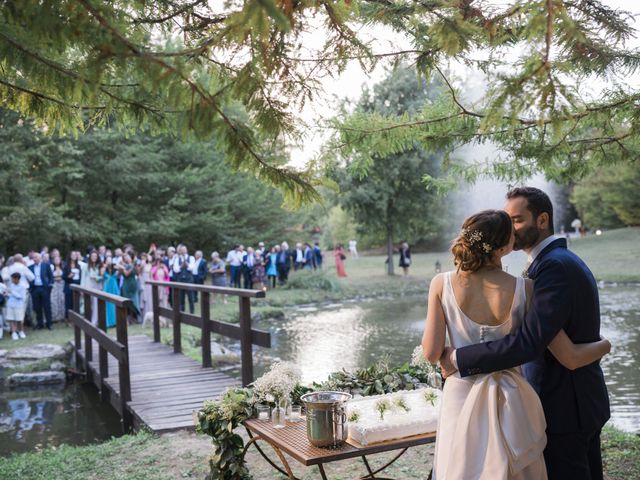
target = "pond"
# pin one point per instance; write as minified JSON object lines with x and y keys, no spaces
{"x":352,"y":336}
{"x":36,"y":418}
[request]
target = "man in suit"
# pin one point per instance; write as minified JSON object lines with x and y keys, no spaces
{"x":248,"y":262}
{"x":199,"y":272}
{"x":575,"y":402}
{"x":40,"y":288}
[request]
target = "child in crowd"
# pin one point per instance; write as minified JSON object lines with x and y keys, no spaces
{"x":16,"y":306}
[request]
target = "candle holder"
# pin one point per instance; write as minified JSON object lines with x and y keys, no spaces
{"x":263,"y":412}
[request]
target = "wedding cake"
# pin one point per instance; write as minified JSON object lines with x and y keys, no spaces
{"x":393,"y":415}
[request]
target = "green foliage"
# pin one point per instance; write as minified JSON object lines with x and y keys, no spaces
{"x":383,"y":188}
{"x":338,"y":227}
{"x":104,"y":187}
{"x":235,"y":72}
{"x":315,"y":279}
{"x":218,"y":419}
{"x":377,"y":379}
{"x":608,"y":198}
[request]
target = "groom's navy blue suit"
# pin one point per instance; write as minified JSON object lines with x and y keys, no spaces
{"x":576,"y":403}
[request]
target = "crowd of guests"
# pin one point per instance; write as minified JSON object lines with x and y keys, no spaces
{"x":37,"y":288}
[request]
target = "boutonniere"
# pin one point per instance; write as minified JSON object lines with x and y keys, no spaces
{"x":525,"y":273}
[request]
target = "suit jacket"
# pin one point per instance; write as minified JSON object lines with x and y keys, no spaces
{"x":202,"y":271}
{"x":46,"y":275}
{"x":565,"y":297}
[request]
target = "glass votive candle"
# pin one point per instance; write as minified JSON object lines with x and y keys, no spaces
{"x":263,"y":412}
{"x":296,"y":413}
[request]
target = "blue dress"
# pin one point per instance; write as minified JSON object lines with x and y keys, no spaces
{"x":272,"y":271}
{"x":110,"y":282}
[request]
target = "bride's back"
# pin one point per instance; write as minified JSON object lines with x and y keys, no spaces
{"x":485,"y":296}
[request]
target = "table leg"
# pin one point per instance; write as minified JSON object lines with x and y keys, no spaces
{"x":253,"y":441}
{"x":322,"y":474}
{"x":372,"y":473}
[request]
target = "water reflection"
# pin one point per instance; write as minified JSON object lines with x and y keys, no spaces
{"x":31,"y":419}
{"x":353,"y":336}
{"x":620,"y":308}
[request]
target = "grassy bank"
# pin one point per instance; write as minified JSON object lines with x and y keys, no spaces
{"x":613,"y":256}
{"x":183,"y":455}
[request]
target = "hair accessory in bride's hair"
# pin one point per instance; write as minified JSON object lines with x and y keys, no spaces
{"x":475,"y":236}
{"x":472,"y":236}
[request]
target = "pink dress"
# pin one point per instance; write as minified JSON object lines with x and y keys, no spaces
{"x":161,"y":274}
{"x":147,"y":299}
{"x":339,"y":253}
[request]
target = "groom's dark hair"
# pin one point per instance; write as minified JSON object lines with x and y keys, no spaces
{"x":537,"y":201}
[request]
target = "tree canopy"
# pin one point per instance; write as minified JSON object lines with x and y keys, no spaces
{"x":241,"y":70}
{"x":391,"y":201}
{"x":107,"y":188}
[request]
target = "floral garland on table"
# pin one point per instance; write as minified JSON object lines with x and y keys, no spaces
{"x":219,"y":418}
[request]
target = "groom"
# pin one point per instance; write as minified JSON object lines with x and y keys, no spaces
{"x":575,"y":403}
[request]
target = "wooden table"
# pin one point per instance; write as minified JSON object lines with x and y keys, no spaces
{"x":293,"y":441}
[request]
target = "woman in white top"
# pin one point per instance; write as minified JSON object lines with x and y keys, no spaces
{"x":491,"y":426}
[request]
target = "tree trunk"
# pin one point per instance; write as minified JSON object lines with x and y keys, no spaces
{"x":389,"y":250}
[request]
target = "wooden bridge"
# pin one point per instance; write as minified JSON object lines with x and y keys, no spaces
{"x":151,"y":384}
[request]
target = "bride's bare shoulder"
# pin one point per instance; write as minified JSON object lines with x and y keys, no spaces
{"x":436,"y":284}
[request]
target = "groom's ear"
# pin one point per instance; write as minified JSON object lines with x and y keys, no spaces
{"x":543,"y":221}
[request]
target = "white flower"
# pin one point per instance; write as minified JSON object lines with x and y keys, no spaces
{"x":419,"y":360}
{"x":278,"y":382}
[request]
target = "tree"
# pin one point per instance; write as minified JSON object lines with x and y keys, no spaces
{"x":107,"y":188}
{"x":608,"y":198}
{"x":391,"y":200}
{"x":196,"y":68}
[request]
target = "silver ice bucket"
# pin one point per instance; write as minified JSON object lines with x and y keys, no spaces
{"x":326,"y":418}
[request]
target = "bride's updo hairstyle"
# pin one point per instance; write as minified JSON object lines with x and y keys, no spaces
{"x":481,"y":235}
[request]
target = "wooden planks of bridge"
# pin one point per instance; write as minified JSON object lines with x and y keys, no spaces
{"x":165,"y":386}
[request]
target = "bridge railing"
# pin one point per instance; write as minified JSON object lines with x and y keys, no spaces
{"x":244,"y":332}
{"x":118,"y":348}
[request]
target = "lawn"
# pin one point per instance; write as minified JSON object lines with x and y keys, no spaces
{"x":183,"y":455}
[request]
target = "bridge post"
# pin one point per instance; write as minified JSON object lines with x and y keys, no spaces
{"x":88,"y":342}
{"x":246,"y":347}
{"x":102,"y":352}
{"x":123,"y":369}
{"x":177,"y":344}
{"x":77,"y":333}
{"x":205,"y":314}
{"x":156,"y":313}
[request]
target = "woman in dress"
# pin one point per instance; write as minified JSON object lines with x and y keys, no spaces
{"x":58,"y":302}
{"x":146,"y":304}
{"x":340,"y":257}
{"x":258,"y":274}
{"x":110,"y":283}
{"x":218,"y":271}
{"x":129,"y":290}
{"x":272,"y":267}
{"x":94,"y":273}
{"x":160,"y":273}
{"x":71,"y":275}
{"x":405,"y":258}
{"x":491,"y":425}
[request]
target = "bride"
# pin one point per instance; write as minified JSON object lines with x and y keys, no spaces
{"x":491,"y":426}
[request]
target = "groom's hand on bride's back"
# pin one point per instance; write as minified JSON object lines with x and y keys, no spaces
{"x":447,"y":362}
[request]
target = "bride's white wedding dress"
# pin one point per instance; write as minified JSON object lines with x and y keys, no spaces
{"x":491,"y":426}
